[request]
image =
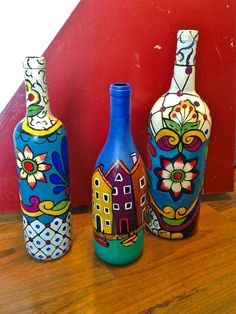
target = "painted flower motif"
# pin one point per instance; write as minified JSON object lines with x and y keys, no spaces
{"x":176,"y":175}
{"x":31,"y":168}
{"x":183,"y":113}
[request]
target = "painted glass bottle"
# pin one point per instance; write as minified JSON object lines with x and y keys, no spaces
{"x":43,"y":173}
{"x":119,"y":187}
{"x":178,"y":135}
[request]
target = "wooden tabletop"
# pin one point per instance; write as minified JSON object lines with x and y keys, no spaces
{"x":197,"y":275}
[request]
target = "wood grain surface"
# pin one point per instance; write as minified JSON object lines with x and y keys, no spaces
{"x":197,"y":275}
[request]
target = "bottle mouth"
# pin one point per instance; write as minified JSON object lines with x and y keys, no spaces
{"x":187,"y":35}
{"x":120,"y":89}
{"x":33,"y":62}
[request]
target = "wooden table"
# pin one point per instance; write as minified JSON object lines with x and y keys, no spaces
{"x":185,"y":276}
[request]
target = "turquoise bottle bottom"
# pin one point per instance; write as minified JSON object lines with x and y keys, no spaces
{"x":118,"y":254}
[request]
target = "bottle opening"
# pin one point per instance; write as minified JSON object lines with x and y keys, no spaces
{"x":34,"y":62}
{"x":120,"y":84}
{"x":120,"y":89}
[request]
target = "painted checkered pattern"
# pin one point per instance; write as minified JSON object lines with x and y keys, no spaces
{"x":48,"y":241}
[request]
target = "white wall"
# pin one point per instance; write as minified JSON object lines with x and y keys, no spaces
{"x":26,"y":28}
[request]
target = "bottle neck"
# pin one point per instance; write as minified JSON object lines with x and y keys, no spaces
{"x":38,"y":113}
{"x":36,"y":92}
{"x":183,"y":80}
{"x":120,"y":128}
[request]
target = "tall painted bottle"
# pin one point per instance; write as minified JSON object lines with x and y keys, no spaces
{"x":119,"y":187}
{"x":43,"y":173}
{"x":178,"y":135}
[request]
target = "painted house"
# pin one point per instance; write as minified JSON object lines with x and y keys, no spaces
{"x":123,"y":206}
{"x":101,"y":202}
{"x":139,"y":182}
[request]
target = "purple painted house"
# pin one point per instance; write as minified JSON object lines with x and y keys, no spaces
{"x":124,"y":211}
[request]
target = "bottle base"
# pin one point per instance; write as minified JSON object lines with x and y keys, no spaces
{"x":165,"y":234}
{"x":40,"y":256}
{"x":117,"y":252}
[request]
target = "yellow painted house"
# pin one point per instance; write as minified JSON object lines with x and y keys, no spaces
{"x":101,"y":202}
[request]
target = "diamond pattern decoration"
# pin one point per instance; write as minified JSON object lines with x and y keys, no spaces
{"x":48,"y":241}
{"x":56,"y":223}
{"x":47,"y":234}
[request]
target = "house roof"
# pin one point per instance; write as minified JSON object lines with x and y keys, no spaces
{"x":119,"y":164}
{"x":98,"y":169}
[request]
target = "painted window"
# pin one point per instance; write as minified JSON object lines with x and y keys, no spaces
{"x":116,"y":206}
{"x":143,"y":200}
{"x":106,"y":210}
{"x":127,"y":189}
{"x":97,"y":182}
{"x":97,"y":195}
{"x":142,"y":182}
{"x":115,"y":191}
{"x":106,"y":197}
{"x":107,"y":222}
{"x":128,"y":205}
{"x":97,"y":206}
{"x":118,"y":177}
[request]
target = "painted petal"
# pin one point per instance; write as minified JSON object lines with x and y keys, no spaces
{"x":40,"y":158}
{"x":178,"y":164}
{"x":58,"y":189}
{"x":19,"y":164}
{"x":28,"y":153}
{"x":20,"y":155}
{"x":190,"y":176}
{"x":65,"y":156}
{"x":168,"y":165}
{"x":190,"y":165}
{"x":176,"y":187}
{"x":56,"y":179}
{"x":186,"y":185}
{"x":44,"y":167}
{"x":164,"y":174}
{"x":39,"y":176}
{"x":166,"y":185}
{"x":23,"y":174}
{"x":58,"y":164}
{"x":31,"y":180}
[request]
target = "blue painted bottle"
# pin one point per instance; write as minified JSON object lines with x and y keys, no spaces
{"x":43,"y":172}
{"x":119,"y":187}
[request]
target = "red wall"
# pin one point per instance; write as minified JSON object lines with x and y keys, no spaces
{"x":106,"y":41}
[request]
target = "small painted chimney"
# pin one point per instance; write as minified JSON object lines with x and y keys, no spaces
{"x":134,"y":157}
{"x":101,"y":166}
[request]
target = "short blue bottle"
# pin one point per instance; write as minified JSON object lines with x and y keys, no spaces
{"x":119,"y":186}
{"x":43,"y":172}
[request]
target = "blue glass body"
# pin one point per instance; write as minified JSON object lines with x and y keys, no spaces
{"x":115,"y":161}
{"x":43,"y":177}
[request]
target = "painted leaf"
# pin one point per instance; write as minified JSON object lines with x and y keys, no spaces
{"x":56,"y":179}
{"x":64,"y":156}
{"x":33,"y":110}
{"x":173,"y":125}
{"x":58,"y":164}
{"x":60,"y":205}
{"x":190,"y":126}
{"x":58,"y":189}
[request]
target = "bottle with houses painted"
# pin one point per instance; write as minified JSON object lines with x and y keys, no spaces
{"x":119,"y":187}
{"x":178,"y":135}
{"x":43,"y":172}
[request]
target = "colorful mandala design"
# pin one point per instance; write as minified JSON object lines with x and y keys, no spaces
{"x":176,"y":175}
